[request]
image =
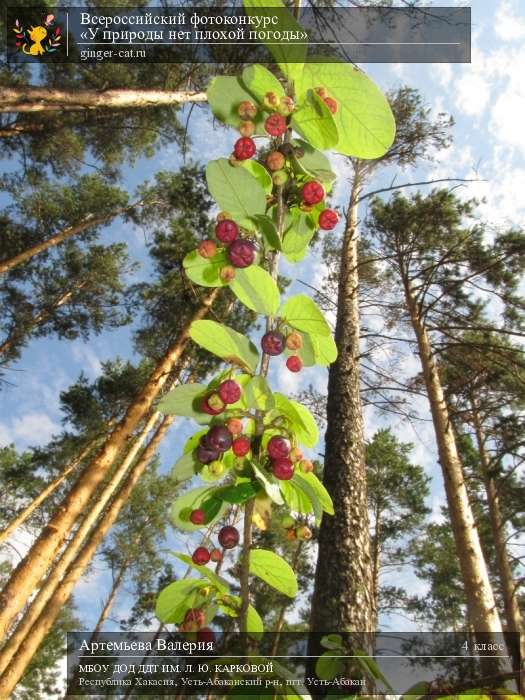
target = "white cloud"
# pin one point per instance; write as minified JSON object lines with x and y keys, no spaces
{"x":85,"y":355}
{"x":509,"y":23}
{"x":34,"y":428}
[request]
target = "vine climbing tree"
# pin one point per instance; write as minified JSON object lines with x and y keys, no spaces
{"x":272,"y":194}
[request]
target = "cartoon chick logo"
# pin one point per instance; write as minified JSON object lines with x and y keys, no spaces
{"x":36,"y":41}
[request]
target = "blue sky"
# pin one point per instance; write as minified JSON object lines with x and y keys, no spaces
{"x":487,"y":100}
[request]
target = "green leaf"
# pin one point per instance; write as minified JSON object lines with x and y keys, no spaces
{"x":269,"y":232}
{"x":325,"y":349}
{"x":318,"y":488}
{"x":416,"y":691}
{"x":332,"y":641}
{"x":254,"y":623}
{"x":255,"y":288}
{"x":240,"y":493}
{"x":258,"y":80}
{"x":225,"y":93}
{"x":297,"y":238}
{"x":295,"y":498}
{"x":313,"y":121}
{"x":185,"y":401}
{"x":313,"y":163}
{"x":289,"y":57}
{"x":274,"y":570}
{"x":364,"y":119}
{"x":205,"y":271}
{"x":221,"y":585}
{"x":211,"y":507}
{"x":258,"y":394}
{"x":176,"y":599}
{"x":303,"y":422}
{"x":184,"y":468}
{"x":310,"y":494}
{"x":269,"y":484}
{"x":370,"y":666}
{"x":260,"y":173}
{"x":234,"y":189}
{"x":229,"y":345}
{"x":302,"y":313}
{"x":328,"y":665}
{"x":183,"y":505}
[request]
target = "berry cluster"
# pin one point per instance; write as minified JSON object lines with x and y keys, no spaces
{"x":274,"y":342}
{"x":294,"y":531}
{"x":228,"y":539}
{"x":332,"y":104}
{"x":227,"y":393}
{"x":241,"y":252}
{"x":195,"y":621}
{"x":283,"y":459}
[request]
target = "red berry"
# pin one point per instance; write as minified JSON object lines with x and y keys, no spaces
{"x":278,"y":447}
{"x":241,"y":253}
{"x":226,"y":231}
{"x":328,"y":219}
{"x":205,"y":634}
{"x":241,"y":446}
{"x":200,"y":556}
{"x":244,"y":148}
{"x":272,"y":343}
{"x":207,"y":249}
{"x":294,"y":363}
{"x":196,"y":615}
{"x":230,"y":391}
{"x":229,"y":537}
{"x":215,"y":555}
{"x":197,"y":516}
{"x":282,"y":469}
{"x":275,"y":125}
{"x":313,"y":192}
{"x":219,"y":438}
{"x":331,"y":104}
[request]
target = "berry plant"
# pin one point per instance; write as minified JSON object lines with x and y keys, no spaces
{"x":272,"y":193}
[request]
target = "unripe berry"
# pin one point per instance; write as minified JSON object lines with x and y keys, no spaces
{"x":272,"y":343}
{"x":290,"y":535}
{"x":286,"y":106}
{"x":287,"y":521}
{"x":206,"y":635}
{"x":306,"y":466}
{"x":271,"y":100}
{"x":228,"y":537}
{"x":197,"y":516}
{"x":328,"y":219}
{"x":303,"y":533}
{"x":247,"y":110}
{"x":216,"y":403}
{"x":226,"y":231}
{"x":275,"y":125}
{"x":241,"y":253}
{"x":247,"y":129}
{"x":282,"y":469}
{"x":200,"y":556}
{"x":241,"y":446}
{"x":294,"y":363}
{"x":244,"y":148}
{"x":294,"y":341}
{"x":207,"y":249}
{"x":219,"y":438}
{"x":234,"y":425}
{"x":275,"y":160}
{"x":223,"y":215}
{"x":230,"y":391}
{"x":313,"y":192}
{"x":215,"y":555}
{"x":216,"y":468}
{"x":205,"y":406}
{"x":280,"y":178}
{"x":227,"y":273}
{"x":322,"y":92}
{"x":196,"y":615}
{"x":331,"y":104}
{"x":296,"y":455}
{"x":278,"y":447}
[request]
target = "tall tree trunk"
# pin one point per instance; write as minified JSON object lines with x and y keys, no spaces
{"x":376,"y":560}
{"x":88,"y":222}
{"x":110,"y":600}
{"x":52,"y":581}
{"x":38,"y":99}
{"x":43,"y":495}
{"x":342,"y":598}
{"x":513,"y":615}
{"x":14,"y":672}
{"x":482,"y":611}
{"x":30,"y":570}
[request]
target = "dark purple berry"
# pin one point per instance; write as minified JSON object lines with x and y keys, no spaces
{"x":219,"y":438}
{"x":273,"y":343}
{"x":241,"y":253}
{"x":229,"y":537}
{"x":206,"y":454}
